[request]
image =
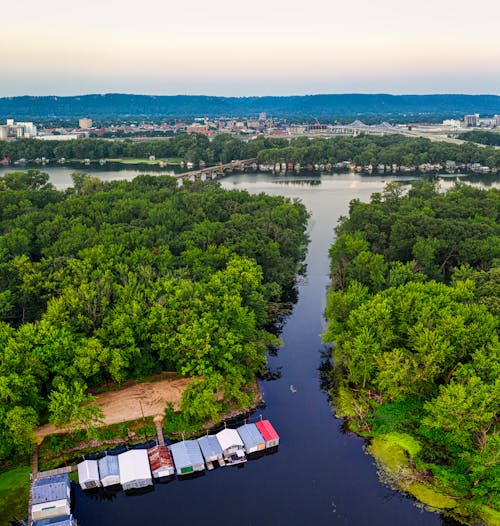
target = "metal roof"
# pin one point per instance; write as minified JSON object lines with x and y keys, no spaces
{"x":88,"y":470}
{"x":159,"y":457}
{"x":267,"y":430}
{"x":210,"y":446}
{"x":250,"y":435}
{"x":134,"y":465}
{"x":229,"y":438}
{"x":49,"y":489}
{"x":108,"y":466}
{"x":186,"y":453}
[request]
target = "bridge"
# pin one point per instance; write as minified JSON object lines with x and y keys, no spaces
{"x":219,"y":170}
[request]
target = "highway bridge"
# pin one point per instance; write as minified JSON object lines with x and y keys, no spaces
{"x":219,"y":170}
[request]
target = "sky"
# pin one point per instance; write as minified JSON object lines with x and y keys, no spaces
{"x":258,"y":47}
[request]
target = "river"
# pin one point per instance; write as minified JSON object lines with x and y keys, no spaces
{"x":320,"y":475}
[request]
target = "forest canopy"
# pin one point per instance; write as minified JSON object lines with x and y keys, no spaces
{"x":413,"y":314}
{"x":110,"y":281}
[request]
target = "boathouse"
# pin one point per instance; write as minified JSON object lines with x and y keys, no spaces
{"x":210,"y":447}
{"x":65,"y":520}
{"x":232,"y":446}
{"x":50,"y":497}
{"x":268,"y":433}
{"x":88,"y":474}
{"x":187,"y":457}
{"x":134,"y":469}
{"x":109,"y":471}
{"x":160,"y":461}
{"x":252,"y":439}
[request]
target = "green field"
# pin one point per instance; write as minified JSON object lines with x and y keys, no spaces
{"x":14,"y":490}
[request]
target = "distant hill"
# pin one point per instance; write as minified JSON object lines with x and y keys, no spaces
{"x":115,"y":105}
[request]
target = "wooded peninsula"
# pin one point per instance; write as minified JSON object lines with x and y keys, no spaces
{"x":105,"y":282}
{"x":413,"y":314}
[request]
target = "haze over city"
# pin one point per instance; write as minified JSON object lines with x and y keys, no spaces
{"x":258,"y":48}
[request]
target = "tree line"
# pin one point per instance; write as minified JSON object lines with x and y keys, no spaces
{"x":413,"y":313}
{"x":481,"y":137}
{"x":361,"y":150}
{"x":110,"y":281}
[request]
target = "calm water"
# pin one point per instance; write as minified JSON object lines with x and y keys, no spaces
{"x":320,"y":475}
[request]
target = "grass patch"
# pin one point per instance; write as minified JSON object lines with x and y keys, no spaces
{"x":490,"y":516}
{"x":426,"y":494}
{"x":14,"y":494}
{"x":407,"y":442}
{"x":389,"y":454}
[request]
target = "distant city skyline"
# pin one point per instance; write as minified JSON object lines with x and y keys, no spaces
{"x":263,"y":48}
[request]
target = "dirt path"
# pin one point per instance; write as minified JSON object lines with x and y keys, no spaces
{"x":125,"y":404}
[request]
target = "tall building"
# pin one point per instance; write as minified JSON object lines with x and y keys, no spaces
{"x":17,"y":130}
{"x":496,"y":120}
{"x":471,"y":120}
{"x":85,"y":123}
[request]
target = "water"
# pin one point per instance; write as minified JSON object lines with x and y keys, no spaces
{"x":320,"y":475}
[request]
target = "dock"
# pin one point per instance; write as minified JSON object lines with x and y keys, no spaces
{"x":158,"y":420}
{"x":58,"y":471}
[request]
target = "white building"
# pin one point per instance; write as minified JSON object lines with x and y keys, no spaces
{"x":134,"y":469}
{"x":452,"y":123}
{"x":19,"y":130}
{"x":88,"y":474}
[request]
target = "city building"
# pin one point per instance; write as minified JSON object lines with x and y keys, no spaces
{"x":471,"y":121}
{"x":85,"y":123}
{"x":12,"y":130}
{"x":452,"y":123}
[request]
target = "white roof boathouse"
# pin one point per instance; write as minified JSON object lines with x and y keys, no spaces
{"x":251,"y":438}
{"x":187,"y":457}
{"x":88,"y":474}
{"x":232,"y":446}
{"x":50,"y":497}
{"x":109,"y":470}
{"x":134,"y":469}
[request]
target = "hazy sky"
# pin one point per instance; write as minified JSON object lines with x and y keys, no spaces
{"x":262,"y":47}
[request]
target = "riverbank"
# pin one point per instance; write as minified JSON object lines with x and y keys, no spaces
{"x":395,"y":453}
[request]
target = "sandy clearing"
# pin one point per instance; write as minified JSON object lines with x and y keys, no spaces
{"x":125,"y":404}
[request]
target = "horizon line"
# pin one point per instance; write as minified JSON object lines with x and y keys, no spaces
{"x":90,"y":94}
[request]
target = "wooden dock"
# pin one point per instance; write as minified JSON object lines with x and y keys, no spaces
{"x":34,"y":475}
{"x":58,"y":471}
{"x":158,"y":420}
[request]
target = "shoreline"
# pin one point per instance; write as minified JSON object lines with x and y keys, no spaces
{"x":392,"y":453}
